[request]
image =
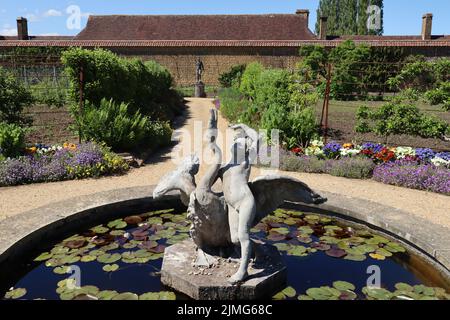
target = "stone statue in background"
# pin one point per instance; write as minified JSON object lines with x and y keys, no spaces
{"x":221,"y":222}
{"x":199,"y":68}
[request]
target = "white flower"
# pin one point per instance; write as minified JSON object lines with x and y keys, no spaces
{"x":349,"y":152}
{"x":401,"y":152}
{"x":438,"y":162}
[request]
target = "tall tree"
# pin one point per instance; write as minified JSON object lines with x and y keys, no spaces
{"x":352,"y":17}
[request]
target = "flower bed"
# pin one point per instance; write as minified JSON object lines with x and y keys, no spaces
{"x":55,"y":163}
{"x":419,"y":168}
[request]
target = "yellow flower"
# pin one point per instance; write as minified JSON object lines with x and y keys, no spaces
{"x":347,"y":145}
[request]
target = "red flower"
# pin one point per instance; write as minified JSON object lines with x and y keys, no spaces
{"x":297,"y":150}
{"x":385,"y":155}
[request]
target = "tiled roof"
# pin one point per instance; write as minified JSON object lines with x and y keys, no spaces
{"x":197,"y":27}
{"x":216,"y":43}
{"x":11,"y":38}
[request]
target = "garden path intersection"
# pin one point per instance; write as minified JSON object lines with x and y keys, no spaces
{"x":429,"y":206}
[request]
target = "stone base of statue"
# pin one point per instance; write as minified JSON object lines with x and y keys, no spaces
{"x":200,"y":90}
{"x":267,"y":274}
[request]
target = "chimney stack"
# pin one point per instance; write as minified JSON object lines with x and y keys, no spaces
{"x":304,"y":13}
{"x":427,"y":22}
{"x":22,"y":28}
{"x":323,"y":28}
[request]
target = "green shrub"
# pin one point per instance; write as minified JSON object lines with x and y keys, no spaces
{"x":272,"y":87}
{"x":13,"y":98}
{"x":399,"y":118}
{"x":440,"y":95}
{"x":111,"y":123}
{"x":353,"y":168}
{"x":12,"y":139}
{"x":249,"y":78}
{"x":231,"y":104}
{"x":232,"y":77}
{"x":143,"y":86}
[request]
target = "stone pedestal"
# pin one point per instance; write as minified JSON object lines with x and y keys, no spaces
{"x":267,"y":275}
{"x":200,"y":90}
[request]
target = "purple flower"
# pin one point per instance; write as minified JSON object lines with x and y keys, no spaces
{"x":424,"y":154}
{"x":374,"y":147}
{"x":331,"y":149}
{"x":443,"y":155}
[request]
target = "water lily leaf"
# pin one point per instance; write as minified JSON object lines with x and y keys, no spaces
{"x":377,"y":293}
{"x":75,"y":244}
{"x":336,"y":253}
{"x":109,"y":258}
{"x":297,"y":251}
{"x":117,"y":233}
{"x":88,"y":258}
{"x":149,"y":296}
{"x":377,"y":256}
{"x":110,"y":267}
{"x":347,"y":295}
{"x":148,"y":244}
{"x":325,"y":220}
{"x":111,"y":246}
{"x":394,"y":247}
{"x":291,"y":221}
{"x":16,"y":293}
{"x":43,"y":256}
{"x":275,"y":237}
{"x":158,"y":249}
{"x":279,"y":296}
{"x":404,"y":286}
{"x":304,"y":297}
{"x":129,"y":245}
{"x":97,"y":253}
{"x":126,"y":296}
{"x":167,"y":295}
{"x":321,"y":246}
{"x":367,"y":248}
{"x":103,"y":239}
{"x":59,"y":250}
{"x":343,"y":285}
{"x":154,"y":220}
{"x":67,"y":295}
{"x":383,"y":252}
{"x":329,"y":240}
{"x":321,"y":293}
{"x":305,"y":230}
{"x":70,"y":259}
{"x":304,"y":239}
{"x":282,"y":230}
{"x":132,"y":220}
{"x":107,"y":294}
{"x":61,"y":270}
{"x":289,"y":292}
{"x":100,"y":229}
{"x":117,"y":224}
{"x":92,"y":290}
{"x":282,"y":246}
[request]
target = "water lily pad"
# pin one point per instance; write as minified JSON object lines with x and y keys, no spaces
{"x":347,"y":295}
{"x":126,"y":296}
{"x":158,"y":249}
{"x":43,"y":256}
{"x":394,"y":247}
{"x":129,"y":245}
{"x":109,"y":258}
{"x":279,"y":296}
{"x":377,"y":256}
{"x":167,"y":295}
{"x":329,"y":240}
{"x":304,"y":297}
{"x":154,"y":220}
{"x":75,"y":244}
{"x":336,"y":253}
{"x":61,"y":270}
{"x":96,"y":252}
{"x":107,"y":294}
{"x":377,"y":293}
{"x":132,"y":220}
{"x":148,"y":244}
{"x":275,"y":237}
{"x":321,"y":246}
{"x":117,"y":224}
{"x":117,"y":233}
{"x":297,"y":251}
{"x":16,"y":293}
{"x":102,"y":239}
{"x":304,"y":239}
{"x":305,"y":230}
{"x":323,"y":293}
{"x":283,"y":231}
{"x":383,"y":252}
{"x":88,"y":258}
{"x":100,"y":229}
{"x":149,"y":296}
{"x":289,"y":292}
{"x":282,"y":246}
{"x":343,"y":285}
{"x":354,"y":257}
{"x":110,"y":267}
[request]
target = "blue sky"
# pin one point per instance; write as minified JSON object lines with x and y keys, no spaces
{"x":50,"y":17}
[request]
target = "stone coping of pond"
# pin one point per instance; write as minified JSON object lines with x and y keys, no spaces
{"x":20,"y":233}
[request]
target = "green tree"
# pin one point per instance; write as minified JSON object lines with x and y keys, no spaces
{"x":349,"y":17}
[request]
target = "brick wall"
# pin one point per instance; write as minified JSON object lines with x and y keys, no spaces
{"x":181,"y":61}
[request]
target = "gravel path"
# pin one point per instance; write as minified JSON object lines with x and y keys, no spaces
{"x":13,"y":200}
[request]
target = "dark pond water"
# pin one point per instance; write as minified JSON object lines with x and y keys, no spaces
{"x":325,"y":259}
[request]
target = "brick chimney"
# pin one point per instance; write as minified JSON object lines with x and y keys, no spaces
{"x":304,"y":13}
{"x":323,"y":27}
{"x":22,"y":28}
{"x":427,"y":22}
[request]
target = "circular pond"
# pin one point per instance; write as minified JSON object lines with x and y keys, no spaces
{"x":326,"y":259}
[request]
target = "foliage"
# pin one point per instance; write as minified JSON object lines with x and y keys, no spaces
{"x":341,"y":16}
{"x":232,"y":106}
{"x":13,"y":98}
{"x":113,"y":124}
{"x":399,"y":118}
{"x":314,"y":58}
{"x":64,"y":163}
{"x":12,"y":139}
{"x":249,"y":78}
{"x":144,"y":86}
{"x":233,"y":77}
{"x":51,"y":94}
{"x":440,"y":95}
